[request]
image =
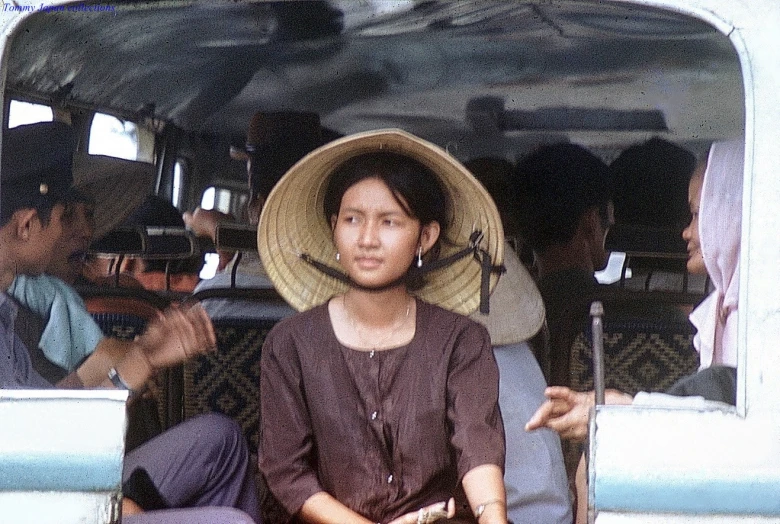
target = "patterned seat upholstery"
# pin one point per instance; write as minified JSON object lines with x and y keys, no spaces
{"x":228,"y":380}
{"x":648,"y":342}
{"x":123,"y":326}
{"x":648,"y":346}
{"x":639,"y":355}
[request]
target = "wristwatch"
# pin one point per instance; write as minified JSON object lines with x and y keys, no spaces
{"x":117,"y":381}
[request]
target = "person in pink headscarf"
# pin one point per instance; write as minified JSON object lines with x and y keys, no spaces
{"x":713,"y":242}
{"x":713,"y":247}
{"x":713,"y":238}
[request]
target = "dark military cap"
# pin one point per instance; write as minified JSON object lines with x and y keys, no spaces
{"x":36,"y":170}
{"x":276,"y":141}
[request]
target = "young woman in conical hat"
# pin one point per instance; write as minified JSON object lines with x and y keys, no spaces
{"x":379,"y":400}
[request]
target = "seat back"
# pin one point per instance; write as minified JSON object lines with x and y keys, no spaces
{"x":648,"y":343}
{"x":228,"y":380}
{"x":61,"y":458}
{"x":123,"y":313}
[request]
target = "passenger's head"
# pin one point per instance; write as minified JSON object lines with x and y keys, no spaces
{"x":650,"y":181}
{"x":156,"y":211}
{"x":415,"y":188}
{"x":78,"y":228}
{"x":274,"y":142}
{"x":715,"y":195}
{"x":357,"y":211}
{"x":387,"y":201}
{"x":718,"y":224}
{"x":695,"y":264}
{"x":564,"y":197}
{"x":35,"y":185}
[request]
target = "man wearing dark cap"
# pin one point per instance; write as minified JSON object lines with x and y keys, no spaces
{"x":34,"y":188}
{"x":275,"y":142}
{"x":175,"y":469}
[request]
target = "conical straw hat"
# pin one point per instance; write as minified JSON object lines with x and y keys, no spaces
{"x":293,"y":224}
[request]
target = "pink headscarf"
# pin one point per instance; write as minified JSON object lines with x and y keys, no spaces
{"x":720,"y":223}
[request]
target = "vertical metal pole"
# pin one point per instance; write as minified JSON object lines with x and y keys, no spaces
{"x":597,"y":314}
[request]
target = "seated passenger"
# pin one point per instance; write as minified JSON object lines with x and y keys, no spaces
{"x":565,"y":212}
{"x":53,"y":321}
{"x":650,"y":183}
{"x":713,"y":236}
{"x":204,"y":462}
{"x":275,"y":141}
{"x":161,"y":275}
{"x":534,"y":474}
{"x":376,"y":404}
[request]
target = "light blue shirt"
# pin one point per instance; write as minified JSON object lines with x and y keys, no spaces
{"x":70,"y":334}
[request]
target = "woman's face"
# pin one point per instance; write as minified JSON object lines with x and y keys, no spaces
{"x":690,"y":234}
{"x":375,"y":238}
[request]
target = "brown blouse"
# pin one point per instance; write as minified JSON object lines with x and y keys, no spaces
{"x":384,"y":432}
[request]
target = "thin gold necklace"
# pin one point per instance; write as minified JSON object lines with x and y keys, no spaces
{"x":381,"y":344}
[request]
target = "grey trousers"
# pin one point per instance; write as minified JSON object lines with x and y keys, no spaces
{"x":212,"y":515}
{"x":200,"y":463}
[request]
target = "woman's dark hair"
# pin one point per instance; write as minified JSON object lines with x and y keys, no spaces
{"x":415,"y":187}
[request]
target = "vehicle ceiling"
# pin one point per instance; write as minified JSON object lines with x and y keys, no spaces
{"x":460,"y":72}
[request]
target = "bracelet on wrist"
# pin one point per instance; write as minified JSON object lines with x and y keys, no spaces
{"x":481,"y":508}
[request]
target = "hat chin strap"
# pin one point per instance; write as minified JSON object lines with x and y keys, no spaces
{"x":480,"y":255}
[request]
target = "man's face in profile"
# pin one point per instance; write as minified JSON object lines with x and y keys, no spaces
{"x":69,"y":257}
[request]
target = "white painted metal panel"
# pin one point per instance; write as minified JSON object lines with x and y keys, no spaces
{"x":58,"y":507}
{"x":61,"y":454}
{"x":712,"y":466}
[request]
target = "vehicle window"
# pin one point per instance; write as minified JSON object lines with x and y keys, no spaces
{"x":113,"y":137}
{"x":21,"y":113}
{"x":225,"y":199}
{"x":179,"y":179}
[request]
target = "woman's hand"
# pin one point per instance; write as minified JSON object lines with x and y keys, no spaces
{"x":428,"y":514}
{"x":567,"y":412}
{"x":177,"y":335}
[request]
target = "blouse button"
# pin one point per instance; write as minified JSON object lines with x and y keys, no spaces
{"x":390,"y":479}
{"x":374,"y":415}
{"x":371,"y":354}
